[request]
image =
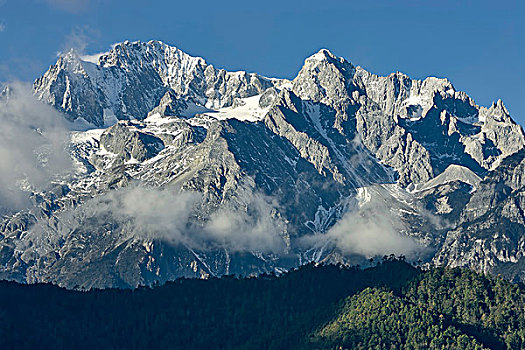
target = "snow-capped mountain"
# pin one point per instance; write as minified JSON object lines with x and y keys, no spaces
{"x":131,"y":79}
{"x":188,"y":170}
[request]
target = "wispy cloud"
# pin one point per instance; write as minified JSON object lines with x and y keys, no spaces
{"x":259,"y":228}
{"x":154,"y":213}
{"x":80,"y":38}
{"x":249,"y":222}
{"x":32,"y":146}
{"x":370,"y":230}
{"x":370,"y":235}
{"x":169,"y":215}
{"x":2,"y":27}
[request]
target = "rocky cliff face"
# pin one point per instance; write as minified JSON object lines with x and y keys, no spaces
{"x":196,"y":171}
{"x":489,"y":235}
{"x":131,"y":79}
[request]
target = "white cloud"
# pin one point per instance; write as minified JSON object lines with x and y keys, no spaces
{"x":79,"y":38}
{"x":169,"y":215}
{"x":94,"y":58}
{"x":2,"y":27}
{"x":249,"y":222}
{"x":33,"y":138}
{"x":370,"y":235}
{"x":155,"y":213}
{"x":166,"y":214}
{"x":370,"y":230}
{"x":259,"y":228}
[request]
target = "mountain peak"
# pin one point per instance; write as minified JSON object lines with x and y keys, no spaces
{"x":325,"y":56}
{"x":322,"y":55}
{"x":70,"y":55}
{"x":129,"y":81}
{"x":500,"y":106}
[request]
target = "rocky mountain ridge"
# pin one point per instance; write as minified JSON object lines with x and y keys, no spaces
{"x":207,"y":172}
{"x":130,"y":80}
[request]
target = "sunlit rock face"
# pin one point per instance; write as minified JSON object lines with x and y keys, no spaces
{"x":183,"y":169}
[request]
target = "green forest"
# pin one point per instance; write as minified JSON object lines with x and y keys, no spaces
{"x":392,"y":305}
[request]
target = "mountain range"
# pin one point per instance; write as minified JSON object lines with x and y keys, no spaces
{"x":181,"y":169}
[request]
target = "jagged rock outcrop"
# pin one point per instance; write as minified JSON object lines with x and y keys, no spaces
{"x":418,"y":128}
{"x":130,"y":144}
{"x":490,"y":233}
{"x":130,"y":80}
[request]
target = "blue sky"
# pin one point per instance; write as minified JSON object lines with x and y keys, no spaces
{"x":478,"y":45}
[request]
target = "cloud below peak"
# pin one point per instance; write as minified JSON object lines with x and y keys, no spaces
{"x":33,"y":139}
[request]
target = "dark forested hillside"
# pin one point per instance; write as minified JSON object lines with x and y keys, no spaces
{"x":390,"y":306}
